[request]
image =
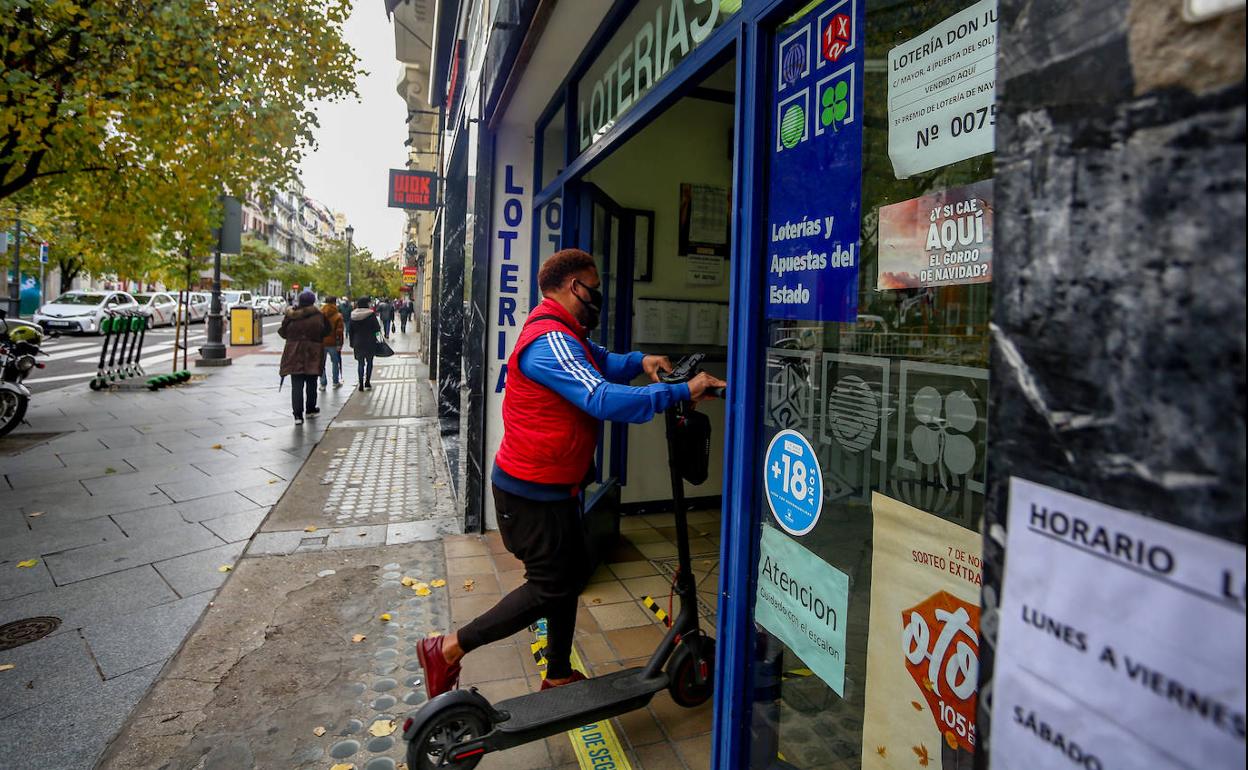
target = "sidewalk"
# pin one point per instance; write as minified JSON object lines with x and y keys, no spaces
{"x":292,"y":665}
{"x":129,"y":504}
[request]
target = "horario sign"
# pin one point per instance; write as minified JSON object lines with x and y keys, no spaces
{"x":413,"y":190}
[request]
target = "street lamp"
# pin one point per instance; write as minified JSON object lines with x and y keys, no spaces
{"x":350,"y":235}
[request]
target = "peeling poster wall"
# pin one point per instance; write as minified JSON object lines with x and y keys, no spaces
{"x":1118,"y":335}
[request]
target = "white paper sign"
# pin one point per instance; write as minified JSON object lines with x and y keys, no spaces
{"x":704,"y":270}
{"x":942,"y":91}
{"x":1121,"y":641}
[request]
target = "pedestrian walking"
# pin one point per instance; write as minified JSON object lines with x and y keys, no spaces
{"x":333,"y":342}
{"x":385,"y":313}
{"x":344,"y":309}
{"x":304,"y":328}
{"x":561,"y":386}
{"x":405,"y":314}
{"x":364,"y":333}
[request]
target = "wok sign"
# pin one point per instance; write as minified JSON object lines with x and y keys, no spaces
{"x":416,"y":190}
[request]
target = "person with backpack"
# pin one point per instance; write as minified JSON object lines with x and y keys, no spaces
{"x":364,"y":332}
{"x":303,"y":358}
{"x":333,"y":341}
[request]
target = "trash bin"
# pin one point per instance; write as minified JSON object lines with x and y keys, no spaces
{"x":245,"y":326}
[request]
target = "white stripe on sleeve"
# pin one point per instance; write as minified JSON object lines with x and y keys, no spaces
{"x":589,"y":374}
{"x":553,"y":340}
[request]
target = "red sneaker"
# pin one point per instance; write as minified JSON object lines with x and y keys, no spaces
{"x":577,"y":676}
{"x":440,"y":676}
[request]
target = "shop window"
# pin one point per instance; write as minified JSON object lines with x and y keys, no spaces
{"x":876,"y":383}
{"x":554,"y":141}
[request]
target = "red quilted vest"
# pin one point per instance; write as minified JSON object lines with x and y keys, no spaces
{"x":546,"y":438}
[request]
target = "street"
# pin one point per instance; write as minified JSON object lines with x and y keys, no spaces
{"x":75,"y":358}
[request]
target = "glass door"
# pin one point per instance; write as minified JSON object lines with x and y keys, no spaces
{"x":602,"y":235}
{"x":872,"y":463}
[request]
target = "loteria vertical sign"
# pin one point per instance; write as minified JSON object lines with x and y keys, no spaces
{"x":511,"y":264}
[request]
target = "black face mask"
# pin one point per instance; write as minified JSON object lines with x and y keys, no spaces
{"x":594,"y":305}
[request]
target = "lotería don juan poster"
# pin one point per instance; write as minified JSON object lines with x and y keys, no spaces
{"x":923,"y":660}
{"x":814,"y":196}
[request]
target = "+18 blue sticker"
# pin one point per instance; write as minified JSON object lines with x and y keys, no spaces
{"x":794,"y":482}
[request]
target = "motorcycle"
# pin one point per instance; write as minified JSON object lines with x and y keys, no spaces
{"x":19,"y":344}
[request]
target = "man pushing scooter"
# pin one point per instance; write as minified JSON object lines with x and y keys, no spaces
{"x":560,"y":387}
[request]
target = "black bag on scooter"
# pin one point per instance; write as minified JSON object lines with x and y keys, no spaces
{"x":693,"y":446}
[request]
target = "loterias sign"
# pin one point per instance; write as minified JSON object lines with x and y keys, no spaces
{"x":413,"y":190}
{"x":654,"y":38}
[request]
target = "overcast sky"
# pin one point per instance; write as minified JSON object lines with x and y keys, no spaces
{"x":358,"y":142}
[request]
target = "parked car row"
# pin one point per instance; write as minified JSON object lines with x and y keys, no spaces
{"x":82,"y":311}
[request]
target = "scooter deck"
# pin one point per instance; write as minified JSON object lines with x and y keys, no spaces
{"x":579,"y":703}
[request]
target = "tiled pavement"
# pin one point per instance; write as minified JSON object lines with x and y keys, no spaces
{"x":613,"y":631}
{"x":129,"y":503}
{"x":273,"y":657}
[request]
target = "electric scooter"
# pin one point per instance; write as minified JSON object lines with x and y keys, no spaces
{"x":457,"y":728}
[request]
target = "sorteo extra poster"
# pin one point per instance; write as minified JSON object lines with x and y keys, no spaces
{"x":940,"y":239}
{"x":923,"y":659}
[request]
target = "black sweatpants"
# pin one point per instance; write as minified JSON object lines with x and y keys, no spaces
{"x":548,"y":538}
{"x":302,"y":389}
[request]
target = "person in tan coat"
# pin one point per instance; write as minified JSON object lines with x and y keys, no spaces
{"x":304,"y":328}
{"x":333,"y":341}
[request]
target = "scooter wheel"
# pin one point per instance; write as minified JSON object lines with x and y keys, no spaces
{"x":430,"y":748}
{"x":682,"y":673}
{"x":97,"y":383}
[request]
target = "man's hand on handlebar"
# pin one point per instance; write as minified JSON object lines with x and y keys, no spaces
{"x":703,"y":386}
{"x":656,"y":365}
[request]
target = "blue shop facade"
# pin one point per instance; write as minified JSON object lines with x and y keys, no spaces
{"x":830,"y":200}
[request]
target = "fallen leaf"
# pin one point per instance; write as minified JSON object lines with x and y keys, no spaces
{"x":7,"y":666}
{"x":359,"y":637}
{"x":433,"y":634}
{"x":927,"y":684}
{"x":35,"y":515}
{"x":951,"y":739}
{"x":469,"y":585}
{"x":216,"y":446}
{"x":28,"y":563}
{"x":407,"y":581}
{"x":401,"y":766}
{"x":224,"y":568}
{"x":342,"y":766}
{"x":109,"y":470}
{"x":917,"y":706}
{"x":382,"y":727}
{"x":437,"y":582}
{"x":385,"y":616}
{"x":272,"y":481}
{"x":363,"y":534}
{"x":310,"y":528}
{"x":921,"y":752}
{"x":597,"y":600}
{"x":422,"y":592}
{"x":882,"y":751}
{"x":318,"y":732}
{"x":419,"y":586}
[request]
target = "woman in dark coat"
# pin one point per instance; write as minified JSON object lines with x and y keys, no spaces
{"x":304,"y":328}
{"x":364,"y":331}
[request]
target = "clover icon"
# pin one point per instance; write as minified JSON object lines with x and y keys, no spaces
{"x":835,"y":107}
{"x":940,"y":437}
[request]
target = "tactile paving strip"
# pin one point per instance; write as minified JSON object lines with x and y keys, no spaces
{"x":383,"y":477}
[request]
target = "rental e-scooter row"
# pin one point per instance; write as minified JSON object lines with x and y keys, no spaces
{"x":126,"y":329}
{"x":457,"y":728}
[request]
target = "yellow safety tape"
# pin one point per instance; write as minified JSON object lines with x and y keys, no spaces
{"x":596,"y":745}
{"x":656,"y":610}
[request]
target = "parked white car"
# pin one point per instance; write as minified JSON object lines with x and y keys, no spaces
{"x":82,"y":311}
{"x":159,"y":306}
{"x":197,"y":306}
{"x":277,"y":305}
{"x":231,"y":299}
{"x":261,"y":305}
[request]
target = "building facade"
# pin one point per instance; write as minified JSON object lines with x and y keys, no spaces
{"x":975,"y":274}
